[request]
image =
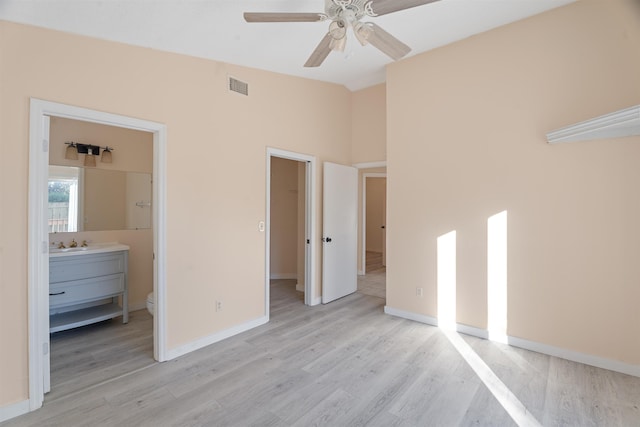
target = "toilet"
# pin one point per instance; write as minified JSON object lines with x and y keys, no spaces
{"x":150,"y":303}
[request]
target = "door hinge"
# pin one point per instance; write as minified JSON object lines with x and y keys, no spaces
{"x":308,"y":241}
{"x":45,"y":145}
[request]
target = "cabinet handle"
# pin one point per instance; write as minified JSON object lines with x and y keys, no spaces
{"x":57,"y":293}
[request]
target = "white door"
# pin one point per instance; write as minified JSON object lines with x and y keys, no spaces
{"x":339,"y":231}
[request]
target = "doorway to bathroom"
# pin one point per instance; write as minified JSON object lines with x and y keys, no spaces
{"x":289,"y":227}
{"x":98,"y":352}
{"x":108,"y":201}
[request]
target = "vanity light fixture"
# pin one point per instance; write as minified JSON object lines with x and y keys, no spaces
{"x":106,"y":155}
{"x":90,"y":160}
{"x":71,"y":152}
{"x":90,"y":152}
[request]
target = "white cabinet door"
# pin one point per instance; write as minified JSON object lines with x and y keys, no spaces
{"x":340,"y":231}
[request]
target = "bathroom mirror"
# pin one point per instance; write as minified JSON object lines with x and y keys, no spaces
{"x":90,"y":199}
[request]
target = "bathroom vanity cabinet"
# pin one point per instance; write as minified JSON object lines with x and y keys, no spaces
{"x":87,"y":286}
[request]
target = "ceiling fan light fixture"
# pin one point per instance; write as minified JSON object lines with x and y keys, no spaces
{"x":337,"y":30}
{"x":338,"y":44}
{"x":344,"y":14}
{"x":338,"y":33}
{"x":362,"y":32}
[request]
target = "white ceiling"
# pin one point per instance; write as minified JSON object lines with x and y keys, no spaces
{"x":215,"y":29}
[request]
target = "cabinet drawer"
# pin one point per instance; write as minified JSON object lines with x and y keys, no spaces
{"x":80,"y":291}
{"x":85,"y":266}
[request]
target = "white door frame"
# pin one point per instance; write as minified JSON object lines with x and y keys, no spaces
{"x":38,"y":239}
{"x":310,"y":225}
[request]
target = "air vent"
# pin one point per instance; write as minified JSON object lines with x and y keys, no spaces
{"x":238,"y":86}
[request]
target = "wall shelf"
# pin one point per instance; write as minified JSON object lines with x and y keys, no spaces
{"x":614,"y":125}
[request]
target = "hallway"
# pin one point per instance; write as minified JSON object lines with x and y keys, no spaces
{"x":374,"y":282}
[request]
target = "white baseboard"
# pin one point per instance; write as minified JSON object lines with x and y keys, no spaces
{"x":14,"y":410}
{"x":299,"y":287}
{"x":316,"y":301}
{"x":587,"y":359}
{"x":360,"y":272}
{"x":283,"y":276}
{"x":472,"y":330}
{"x":574,"y":356}
{"x":411,"y":316}
{"x":218,"y":336}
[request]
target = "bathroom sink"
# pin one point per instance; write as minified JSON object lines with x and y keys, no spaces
{"x":93,"y":248}
{"x":77,"y":249}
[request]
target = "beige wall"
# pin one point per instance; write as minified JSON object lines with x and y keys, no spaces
{"x":216,"y":149}
{"x":369,"y":128}
{"x":376,"y":189}
{"x":368,"y":138}
{"x":466,"y":126}
{"x":284,"y":218}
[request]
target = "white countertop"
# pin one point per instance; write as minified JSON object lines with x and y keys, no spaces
{"x":93,"y":248}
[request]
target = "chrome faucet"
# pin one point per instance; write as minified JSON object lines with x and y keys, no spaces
{"x":73,"y":243}
{"x":84,"y":244}
{"x":61,"y":245}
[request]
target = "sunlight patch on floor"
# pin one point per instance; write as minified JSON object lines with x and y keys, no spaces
{"x":516,"y":409}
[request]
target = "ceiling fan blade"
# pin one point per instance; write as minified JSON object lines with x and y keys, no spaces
{"x":382,"y":7}
{"x":283,"y":17}
{"x":320,"y":53}
{"x":386,"y":43}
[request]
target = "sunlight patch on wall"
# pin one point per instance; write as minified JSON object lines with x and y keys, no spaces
{"x":446,"y":280}
{"x":497,"y":277}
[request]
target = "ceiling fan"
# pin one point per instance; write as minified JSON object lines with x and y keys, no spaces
{"x":344,"y":14}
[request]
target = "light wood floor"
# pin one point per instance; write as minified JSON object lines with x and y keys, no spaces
{"x":86,"y":356}
{"x":346,"y":364}
{"x":374,"y":281}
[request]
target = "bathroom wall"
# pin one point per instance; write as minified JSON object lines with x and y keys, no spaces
{"x":132,"y":149}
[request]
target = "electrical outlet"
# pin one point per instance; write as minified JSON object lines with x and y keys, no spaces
{"x":218,"y":305}
{"x":419,"y":292}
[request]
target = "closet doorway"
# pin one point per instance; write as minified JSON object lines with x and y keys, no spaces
{"x":290,"y":219}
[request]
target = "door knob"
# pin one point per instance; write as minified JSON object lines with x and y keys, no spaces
{"x":326,"y":239}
